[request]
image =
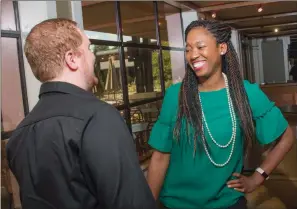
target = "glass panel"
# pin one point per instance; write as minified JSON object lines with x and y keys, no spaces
{"x":102,"y":27}
{"x":11,"y":102}
{"x":107,"y":70}
{"x":142,"y":73}
{"x":138,"y":21}
{"x":7,"y":17}
{"x":170,"y":25}
{"x":143,"y":118}
{"x":174,"y":66}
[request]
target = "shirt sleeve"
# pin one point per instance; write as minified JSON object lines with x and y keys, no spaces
{"x":161,"y":135}
{"x":269,"y":120}
{"x":110,"y":164}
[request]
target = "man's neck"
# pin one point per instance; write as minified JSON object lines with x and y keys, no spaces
{"x":70,"y":79}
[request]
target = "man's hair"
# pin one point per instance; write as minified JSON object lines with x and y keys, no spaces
{"x":46,"y":45}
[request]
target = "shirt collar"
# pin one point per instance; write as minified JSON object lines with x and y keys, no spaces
{"x":63,"y":87}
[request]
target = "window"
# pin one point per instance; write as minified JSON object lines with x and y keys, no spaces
{"x":99,"y":20}
{"x":143,"y":117}
{"x":134,"y":74}
{"x":107,"y":70}
{"x":12,"y":102}
{"x":170,"y":25}
{"x":138,"y":22}
{"x":173,"y":66}
{"x":143,"y":73}
{"x":7,"y":15}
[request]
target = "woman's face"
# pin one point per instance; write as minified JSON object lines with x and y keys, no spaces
{"x":203,"y":53}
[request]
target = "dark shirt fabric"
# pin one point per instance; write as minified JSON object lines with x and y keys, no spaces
{"x":74,"y":151}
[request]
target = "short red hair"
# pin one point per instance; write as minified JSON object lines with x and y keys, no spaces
{"x":46,"y":45}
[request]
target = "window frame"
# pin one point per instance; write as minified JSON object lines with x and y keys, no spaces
{"x":16,"y":34}
{"x":121,"y":44}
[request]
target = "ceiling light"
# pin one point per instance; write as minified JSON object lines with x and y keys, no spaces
{"x":260,"y":9}
{"x":276,"y":30}
{"x":213,"y":15}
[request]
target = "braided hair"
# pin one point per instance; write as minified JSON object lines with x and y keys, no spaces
{"x":189,"y":109}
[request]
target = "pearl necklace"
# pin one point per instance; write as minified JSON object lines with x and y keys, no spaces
{"x":233,"y":136}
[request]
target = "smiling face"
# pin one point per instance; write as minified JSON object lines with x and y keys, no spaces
{"x":203,"y":53}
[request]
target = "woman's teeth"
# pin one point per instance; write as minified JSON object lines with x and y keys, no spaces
{"x":198,"y":65}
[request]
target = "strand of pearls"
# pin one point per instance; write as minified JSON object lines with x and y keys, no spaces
{"x":233,"y":135}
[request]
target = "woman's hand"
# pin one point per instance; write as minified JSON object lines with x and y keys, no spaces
{"x":245,"y":184}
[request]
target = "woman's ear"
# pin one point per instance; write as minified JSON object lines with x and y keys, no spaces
{"x":223,"y":48}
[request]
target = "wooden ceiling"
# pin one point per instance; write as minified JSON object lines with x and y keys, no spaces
{"x":244,"y":16}
{"x":138,"y":17}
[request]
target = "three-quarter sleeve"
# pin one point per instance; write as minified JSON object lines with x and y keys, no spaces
{"x":162,"y":132}
{"x":270,"y":123}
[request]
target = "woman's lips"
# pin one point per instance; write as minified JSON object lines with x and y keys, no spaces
{"x":199,"y":65}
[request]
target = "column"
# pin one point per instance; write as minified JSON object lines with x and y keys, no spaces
{"x":32,"y":13}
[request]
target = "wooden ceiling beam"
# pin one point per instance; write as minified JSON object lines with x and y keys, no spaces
{"x":273,"y":33}
{"x":267,"y":26}
{"x":89,"y":3}
{"x":190,"y":5}
{"x":286,"y":14}
{"x":128,"y":21}
{"x":233,"y":5}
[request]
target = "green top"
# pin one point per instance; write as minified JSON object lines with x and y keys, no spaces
{"x":195,"y":182}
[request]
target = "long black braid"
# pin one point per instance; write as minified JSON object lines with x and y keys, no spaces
{"x":189,"y":104}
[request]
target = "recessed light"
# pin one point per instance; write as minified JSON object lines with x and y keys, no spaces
{"x":260,"y":9}
{"x":213,"y":15}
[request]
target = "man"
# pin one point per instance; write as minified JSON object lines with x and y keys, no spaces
{"x":72,"y":151}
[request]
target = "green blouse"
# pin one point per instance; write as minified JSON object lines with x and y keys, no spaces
{"x":195,"y":182}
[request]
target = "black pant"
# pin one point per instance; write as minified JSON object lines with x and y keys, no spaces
{"x":240,"y":204}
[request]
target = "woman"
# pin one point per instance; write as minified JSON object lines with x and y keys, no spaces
{"x":207,"y":124}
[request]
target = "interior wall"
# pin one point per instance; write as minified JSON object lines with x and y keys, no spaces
{"x":273,"y":61}
{"x":32,"y":13}
{"x":257,"y":57}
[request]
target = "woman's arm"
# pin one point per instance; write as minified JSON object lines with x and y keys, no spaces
{"x":276,"y":154}
{"x":272,"y":160}
{"x":157,"y":171}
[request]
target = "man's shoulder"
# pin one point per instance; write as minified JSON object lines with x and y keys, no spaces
{"x":101,"y":109}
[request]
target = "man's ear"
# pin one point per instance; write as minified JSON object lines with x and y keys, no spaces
{"x":223,"y":48}
{"x":71,"y":60}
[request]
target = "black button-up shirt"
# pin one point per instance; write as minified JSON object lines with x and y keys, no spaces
{"x":74,"y":151}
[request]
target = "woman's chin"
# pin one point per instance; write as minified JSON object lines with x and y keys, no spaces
{"x":200,"y":72}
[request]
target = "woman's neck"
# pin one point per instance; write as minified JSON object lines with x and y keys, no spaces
{"x":213,"y":83}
